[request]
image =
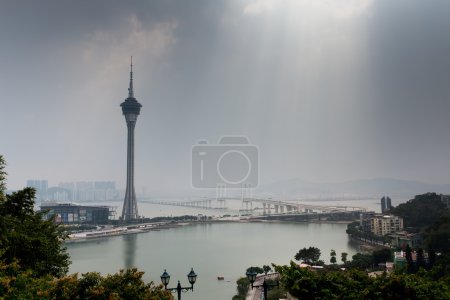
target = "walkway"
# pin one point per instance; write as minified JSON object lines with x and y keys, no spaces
{"x":257,"y":293}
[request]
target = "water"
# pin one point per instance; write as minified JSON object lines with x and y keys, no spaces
{"x":224,"y":249}
{"x":218,"y":249}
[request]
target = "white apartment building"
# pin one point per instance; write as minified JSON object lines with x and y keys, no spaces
{"x":384,"y":224}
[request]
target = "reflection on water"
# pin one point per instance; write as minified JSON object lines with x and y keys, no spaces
{"x":129,"y":251}
{"x":221,"y":249}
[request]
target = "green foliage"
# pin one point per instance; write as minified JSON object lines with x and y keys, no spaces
{"x":361,"y":261}
{"x":354,"y":284}
{"x":333,"y":256}
{"x":33,"y":261}
{"x":274,"y":292}
{"x":266,"y":269}
{"x":25,"y":238}
{"x":123,"y":285}
{"x":420,"y":259}
{"x":409,"y":261}
{"x":382,"y":256}
{"x":344,"y":256}
{"x":35,"y":243}
{"x":308,"y":255}
{"x":258,"y":270}
{"x":353,"y":228}
{"x":437,"y":236}
{"x":422,"y":211}
{"x":242,"y":288}
{"x":2,"y":177}
{"x":441,"y":268}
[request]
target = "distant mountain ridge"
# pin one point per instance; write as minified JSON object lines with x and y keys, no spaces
{"x":366,"y":187}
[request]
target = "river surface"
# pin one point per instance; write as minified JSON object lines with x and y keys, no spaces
{"x":214,"y":249}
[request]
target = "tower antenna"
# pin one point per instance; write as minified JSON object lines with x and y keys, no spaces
{"x":130,"y":89}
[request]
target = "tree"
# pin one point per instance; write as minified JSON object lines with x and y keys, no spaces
{"x":308,"y":255}
{"x":409,"y":261}
{"x":266,"y":269}
{"x":355,"y":284}
{"x":437,"y":236}
{"x":2,"y":177}
{"x":361,"y":261}
{"x":420,"y":259}
{"x":242,"y":288}
{"x":258,"y":270}
{"x":382,"y":256}
{"x":333,"y":256}
{"x":344,"y":257}
{"x":275,"y":292}
{"x":431,"y":257}
{"x":123,"y":285}
{"x":35,"y":244}
{"x":413,"y":214}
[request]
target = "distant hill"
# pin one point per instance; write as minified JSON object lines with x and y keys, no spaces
{"x":367,"y":187}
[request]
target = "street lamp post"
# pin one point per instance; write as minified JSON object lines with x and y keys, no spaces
{"x":251,"y":276}
{"x":192,"y":277}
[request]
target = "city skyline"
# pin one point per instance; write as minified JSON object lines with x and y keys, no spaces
{"x":329,"y":92}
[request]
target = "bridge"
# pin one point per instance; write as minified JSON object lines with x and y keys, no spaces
{"x":269,"y":206}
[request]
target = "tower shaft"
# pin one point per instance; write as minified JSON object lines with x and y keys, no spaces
{"x":130,"y":210}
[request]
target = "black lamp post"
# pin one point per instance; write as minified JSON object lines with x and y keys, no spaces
{"x":192,"y":277}
{"x":251,"y":276}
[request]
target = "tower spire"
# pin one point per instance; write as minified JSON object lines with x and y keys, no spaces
{"x":130,"y":89}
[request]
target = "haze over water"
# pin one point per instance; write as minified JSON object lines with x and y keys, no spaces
{"x":219,"y":249}
{"x":211,"y":249}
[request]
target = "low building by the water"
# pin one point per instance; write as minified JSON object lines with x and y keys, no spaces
{"x":403,"y":238}
{"x":69,"y":213}
{"x":400,"y":260}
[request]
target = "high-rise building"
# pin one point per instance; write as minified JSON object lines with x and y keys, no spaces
{"x":41,"y":187}
{"x":383,"y":204}
{"x":130,"y":109}
{"x":388,"y":203}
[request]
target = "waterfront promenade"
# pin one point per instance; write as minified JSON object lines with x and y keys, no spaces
{"x":109,"y":231}
{"x":257,"y":293}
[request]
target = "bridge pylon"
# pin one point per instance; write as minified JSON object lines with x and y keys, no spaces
{"x":221,"y":194}
{"x":246,"y":196}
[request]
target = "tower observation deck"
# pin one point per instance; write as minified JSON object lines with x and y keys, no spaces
{"x":130,"y":109}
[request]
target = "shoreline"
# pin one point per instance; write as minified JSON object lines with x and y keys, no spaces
{"x":366,"y":245}
{"x":111,"y":231}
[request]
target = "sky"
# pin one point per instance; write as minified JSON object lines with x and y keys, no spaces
{"x":327,"y":90}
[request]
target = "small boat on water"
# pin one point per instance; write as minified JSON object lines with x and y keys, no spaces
{"x":220,"y":278}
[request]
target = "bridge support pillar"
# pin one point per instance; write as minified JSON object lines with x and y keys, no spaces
{"x":276,"y":209}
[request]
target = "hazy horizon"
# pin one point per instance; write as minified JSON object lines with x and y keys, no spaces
{"x":327,"y":91}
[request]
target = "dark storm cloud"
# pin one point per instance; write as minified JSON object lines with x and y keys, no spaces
{"x":328,"y":90}
{"x":409,"y":51}
{"x":410,"y":47}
